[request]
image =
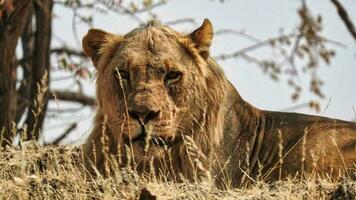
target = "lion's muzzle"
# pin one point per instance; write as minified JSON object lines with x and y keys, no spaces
{"x":143,"y":107}
{"x":143,"y":114}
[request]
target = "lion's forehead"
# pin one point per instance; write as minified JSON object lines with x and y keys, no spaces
{"x":150,"y":41}
{"x":132,"y":56}
{"x":140,"y":48}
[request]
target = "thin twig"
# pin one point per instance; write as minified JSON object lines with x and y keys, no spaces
{"x":149,"y":8}
{"x":181,"y":21}
{"x":345,"y":17}
{"x":64,"y":135}
{"x":67,"y":110}
{"x":68,"y":51}
{"x":236,"y":32}
{"x":252,"y":47}
{"x":293,"y":54}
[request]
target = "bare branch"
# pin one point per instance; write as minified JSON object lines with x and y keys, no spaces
{"x":110,"y":6}
{"x":237,"y":32}
{"x":60,"y":50}
{"x":72,"y":96}
{"x":293,"y":54}
{"x":68,"y":110}
{"x":149,"y":8}
{"x":119,"y":8}
{"x":70,"y":129}
{"x":345,"y":17}
{"x":68,"y":51}
{"x":252,"y":47}
{"x":181,"y":21}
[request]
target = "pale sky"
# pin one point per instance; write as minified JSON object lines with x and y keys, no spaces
{"x":261,"y":19}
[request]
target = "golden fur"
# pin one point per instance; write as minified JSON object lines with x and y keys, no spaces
{"x":166,"y":108}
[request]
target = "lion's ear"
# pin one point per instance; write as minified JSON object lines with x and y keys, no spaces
{"x":202,"y":37}
{"x":93,"y":41}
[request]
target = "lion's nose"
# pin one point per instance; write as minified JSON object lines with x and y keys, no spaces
{"x":144,"y":114}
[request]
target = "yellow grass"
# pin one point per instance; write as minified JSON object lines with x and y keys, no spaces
{"x":54,"y":172}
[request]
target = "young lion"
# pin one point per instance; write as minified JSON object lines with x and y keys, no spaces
{"x":166,"y":108}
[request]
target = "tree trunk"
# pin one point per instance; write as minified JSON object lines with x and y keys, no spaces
{"x":24,"y":91}
{"x":12,"y":23}
{"x":40,"y":68}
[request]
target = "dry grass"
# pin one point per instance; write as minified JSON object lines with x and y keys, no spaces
{"x":57,"y":173}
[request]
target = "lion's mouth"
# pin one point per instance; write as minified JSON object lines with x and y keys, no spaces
{"x":144,"y":139}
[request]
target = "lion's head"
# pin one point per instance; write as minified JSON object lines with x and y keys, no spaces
{"x":154,"y":87}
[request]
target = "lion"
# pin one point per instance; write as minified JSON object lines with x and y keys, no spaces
{"x":165,"y":108}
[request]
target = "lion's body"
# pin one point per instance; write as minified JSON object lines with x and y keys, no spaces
{"x":281,"y":144}
{"x":165,"y":107}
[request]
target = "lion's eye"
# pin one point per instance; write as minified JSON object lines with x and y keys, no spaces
{"x":173,"y":76}
{"x":123,"y":74}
